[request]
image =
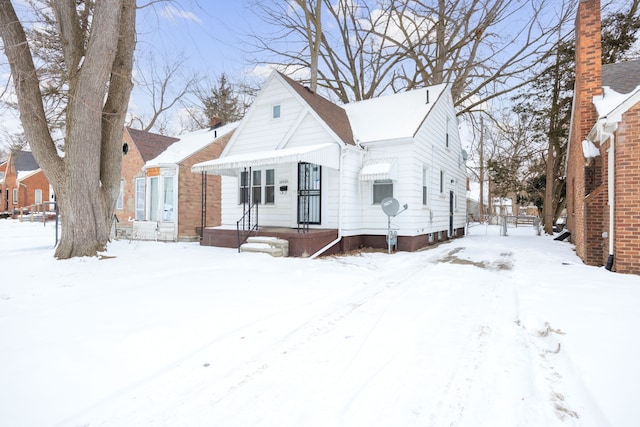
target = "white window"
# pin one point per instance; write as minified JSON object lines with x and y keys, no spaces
{"x":120,"y":201}
{"x":168,"y":200}
{"x":262,"y":185}
{"x":244,"y":187}
{"x":15,"y":196}
{"x":38,"y":195}
{"x":270,"y":187}
{"x":447,"y":134}
{"x":139,"y":214}
{"x":256,"y":187}
{"x":382,"y":188}
{"x":153,"y":198}
{"x":276,"y":111}
{"x":425,"y":186}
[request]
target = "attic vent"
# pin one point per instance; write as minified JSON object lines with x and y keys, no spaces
{"x":427,"y":101}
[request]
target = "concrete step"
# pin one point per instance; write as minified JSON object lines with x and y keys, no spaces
{"x":270,"y":245}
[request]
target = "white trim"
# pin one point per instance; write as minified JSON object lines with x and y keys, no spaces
{"x":327,"y":154}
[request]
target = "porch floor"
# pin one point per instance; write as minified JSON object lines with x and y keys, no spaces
{"x":301,"y":244}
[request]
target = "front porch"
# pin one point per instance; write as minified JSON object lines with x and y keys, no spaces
{"x":301,"y":244}
{"x":307,"y":243}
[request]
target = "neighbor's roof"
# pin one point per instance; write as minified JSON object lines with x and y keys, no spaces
{"x":190,"y":143}
{"x":333,"y":115}
{"x":623,"y":77}
{"x":393,"y":116}
{"x":149,"y":144}
{"x":23,"y":161}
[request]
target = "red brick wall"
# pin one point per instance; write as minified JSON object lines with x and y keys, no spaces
{"x":28,"y":187}
{"x":588,"y":84}
{"x":132,"y":164}
{"x":627,"y":193}
{"x":3,"y":187}
{"x":26,"y":190}
{"x":190,"y":192}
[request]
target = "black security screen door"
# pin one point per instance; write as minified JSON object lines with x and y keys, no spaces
{"x":309,"y":186}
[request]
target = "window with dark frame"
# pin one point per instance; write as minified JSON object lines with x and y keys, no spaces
{"x":244,"y":187}
{"x":270,"y":187}
{"x":256,"y":187}
{"x":382,"y":188}
{"x":425,"y":187}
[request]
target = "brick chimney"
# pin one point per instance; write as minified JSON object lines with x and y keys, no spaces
{"x":585,"y":234}
{"x":215,"y":122}
{"x":588,"y":64}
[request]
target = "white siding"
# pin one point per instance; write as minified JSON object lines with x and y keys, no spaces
{"x":428,"y":149}
{"x":297,"y":126}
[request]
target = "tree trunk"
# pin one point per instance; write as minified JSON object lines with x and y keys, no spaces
{"x":87,"y":179}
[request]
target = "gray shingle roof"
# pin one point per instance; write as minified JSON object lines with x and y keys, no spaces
{"x":24,"y":161}
{"x":623,"y":77}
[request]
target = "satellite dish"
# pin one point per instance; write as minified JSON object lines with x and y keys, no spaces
{"x":390,"y":206}
{"x":465,"y":155}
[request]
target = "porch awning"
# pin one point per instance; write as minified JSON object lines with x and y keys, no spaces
{"x":327,"y":154}
{"x":379,"y":169}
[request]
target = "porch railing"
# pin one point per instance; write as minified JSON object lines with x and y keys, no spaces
{"x":247,"y":224}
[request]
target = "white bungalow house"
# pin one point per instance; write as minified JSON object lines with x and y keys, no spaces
{"x":314,"y":173}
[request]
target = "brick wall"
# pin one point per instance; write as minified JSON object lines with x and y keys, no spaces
{"x":28,"y":187}
{"x":190,"y":192}
{"x":132,"y":164}
{"x":627,"y":193}
{"x":588,"y":84}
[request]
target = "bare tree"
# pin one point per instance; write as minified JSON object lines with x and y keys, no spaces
{"x":483,"y":49}
{"x":515,"y":157}
{"x":97,"y":42}
{"x":165,"y":85}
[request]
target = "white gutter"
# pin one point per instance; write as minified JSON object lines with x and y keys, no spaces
{"x":340,"y":206}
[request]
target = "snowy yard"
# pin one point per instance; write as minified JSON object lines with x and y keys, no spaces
{"x":481,"y":331}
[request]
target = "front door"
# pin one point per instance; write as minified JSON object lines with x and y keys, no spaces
{"x":309,"y":193}
{"x":451,"y":213}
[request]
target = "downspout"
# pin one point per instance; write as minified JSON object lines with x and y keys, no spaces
{"x":343,"y":153}
{"x":611,"y":193}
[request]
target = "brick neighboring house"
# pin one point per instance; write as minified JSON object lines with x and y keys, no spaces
{"x":603,"y":160}
{"x":22,"y":183}
{"x":161,"y":199}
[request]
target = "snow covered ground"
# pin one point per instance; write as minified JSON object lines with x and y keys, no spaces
{"x":481,"y":331}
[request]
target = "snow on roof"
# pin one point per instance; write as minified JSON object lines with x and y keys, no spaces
{"x":190,"y":143}
{"x":393,"y":116}
{"x":26,"y":174}
{"x":611,"y":100}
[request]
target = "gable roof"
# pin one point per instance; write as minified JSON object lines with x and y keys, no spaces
{"x":393,"y":116}
{"x":623,"y":77}
{"x":333,"y":115}
{"x":190,"y":143}
{"x":23,"y":161}
{"x":149,"y":144}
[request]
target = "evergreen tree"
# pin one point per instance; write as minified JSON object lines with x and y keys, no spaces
{"x":223,"y":101}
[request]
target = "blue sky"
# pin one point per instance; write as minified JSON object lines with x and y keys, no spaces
{"x":211,"y":34}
